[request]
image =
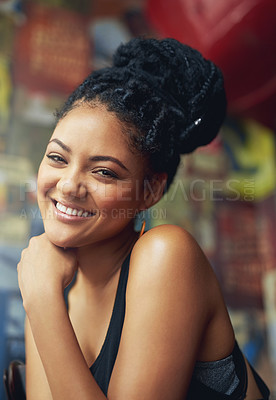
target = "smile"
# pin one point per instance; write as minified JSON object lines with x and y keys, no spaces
{"x":72,"y":211}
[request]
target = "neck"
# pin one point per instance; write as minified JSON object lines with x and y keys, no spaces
{"x":100,"y":261}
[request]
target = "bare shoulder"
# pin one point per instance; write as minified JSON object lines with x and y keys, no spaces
{"x":168,"y":260}
{"x":168,"y":239}
{"x":172,"y":250}
{"x":166,"y":233}
{"x":169,"y":304}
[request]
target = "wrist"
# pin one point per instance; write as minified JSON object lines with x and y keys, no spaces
{"x":41,"y":299}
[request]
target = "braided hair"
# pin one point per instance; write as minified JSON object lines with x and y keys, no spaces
{"x":169,"y":99}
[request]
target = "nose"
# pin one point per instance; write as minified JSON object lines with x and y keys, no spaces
{"x":72,"y":184}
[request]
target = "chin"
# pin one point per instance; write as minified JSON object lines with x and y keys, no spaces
{"x":60,"y":240}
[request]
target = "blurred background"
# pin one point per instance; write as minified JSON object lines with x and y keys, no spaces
{"x":224,"y":194}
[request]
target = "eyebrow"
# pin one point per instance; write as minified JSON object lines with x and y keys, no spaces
{"x":92,"y":158}
{"x":62,"y":145}
{"x":108,"y":158}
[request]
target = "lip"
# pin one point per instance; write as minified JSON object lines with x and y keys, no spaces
{"x":69,"y":218}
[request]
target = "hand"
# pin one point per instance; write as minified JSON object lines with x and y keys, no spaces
{"x":44,"y":270}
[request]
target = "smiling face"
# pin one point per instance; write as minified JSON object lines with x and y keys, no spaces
{"x":90,"y":185}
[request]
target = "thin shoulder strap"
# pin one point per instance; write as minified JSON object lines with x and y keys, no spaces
{"x":103,"y":366}
{"x":67,"y":290}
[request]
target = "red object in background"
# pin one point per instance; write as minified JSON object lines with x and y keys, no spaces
{"x":239,"y":36}
{"x":245,"y":250}
{"x":52,"y":50}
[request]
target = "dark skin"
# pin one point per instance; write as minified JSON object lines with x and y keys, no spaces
{"x":172,"y":291}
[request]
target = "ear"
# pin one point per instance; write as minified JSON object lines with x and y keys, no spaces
{"x":154,"y":187}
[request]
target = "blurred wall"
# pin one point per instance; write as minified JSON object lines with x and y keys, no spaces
{"x":223,"y":194}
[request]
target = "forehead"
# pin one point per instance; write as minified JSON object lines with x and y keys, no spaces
{"x":95,"y":127}
{"x":93,"y":130}
{"x":91,"y":120}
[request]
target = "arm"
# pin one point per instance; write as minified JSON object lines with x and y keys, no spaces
{"x":169,"y":304}
{"x":170,"y":301}
{"x":65,"y":367}
{"x":37,"y":386}
{"x":56,"y":368}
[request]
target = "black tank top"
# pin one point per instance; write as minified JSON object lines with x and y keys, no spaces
{"x":104,"y":363}
{"x":102,"y":368}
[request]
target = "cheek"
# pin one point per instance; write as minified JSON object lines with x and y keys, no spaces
{"x":123,"y":196}
{"x":45,"y":182}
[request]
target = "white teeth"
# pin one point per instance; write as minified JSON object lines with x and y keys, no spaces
{"x":60,"y":207}
{"x":72,"y":211}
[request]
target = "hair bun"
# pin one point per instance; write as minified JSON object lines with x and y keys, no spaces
{"x":191,"y":86}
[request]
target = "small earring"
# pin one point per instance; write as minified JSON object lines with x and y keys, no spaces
{"x":142,"y":228}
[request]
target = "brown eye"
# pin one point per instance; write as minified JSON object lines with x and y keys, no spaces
{"x":106,"y":173}
{"x":56,"y":158}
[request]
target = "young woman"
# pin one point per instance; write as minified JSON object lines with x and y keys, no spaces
{"x":143,"y":316}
